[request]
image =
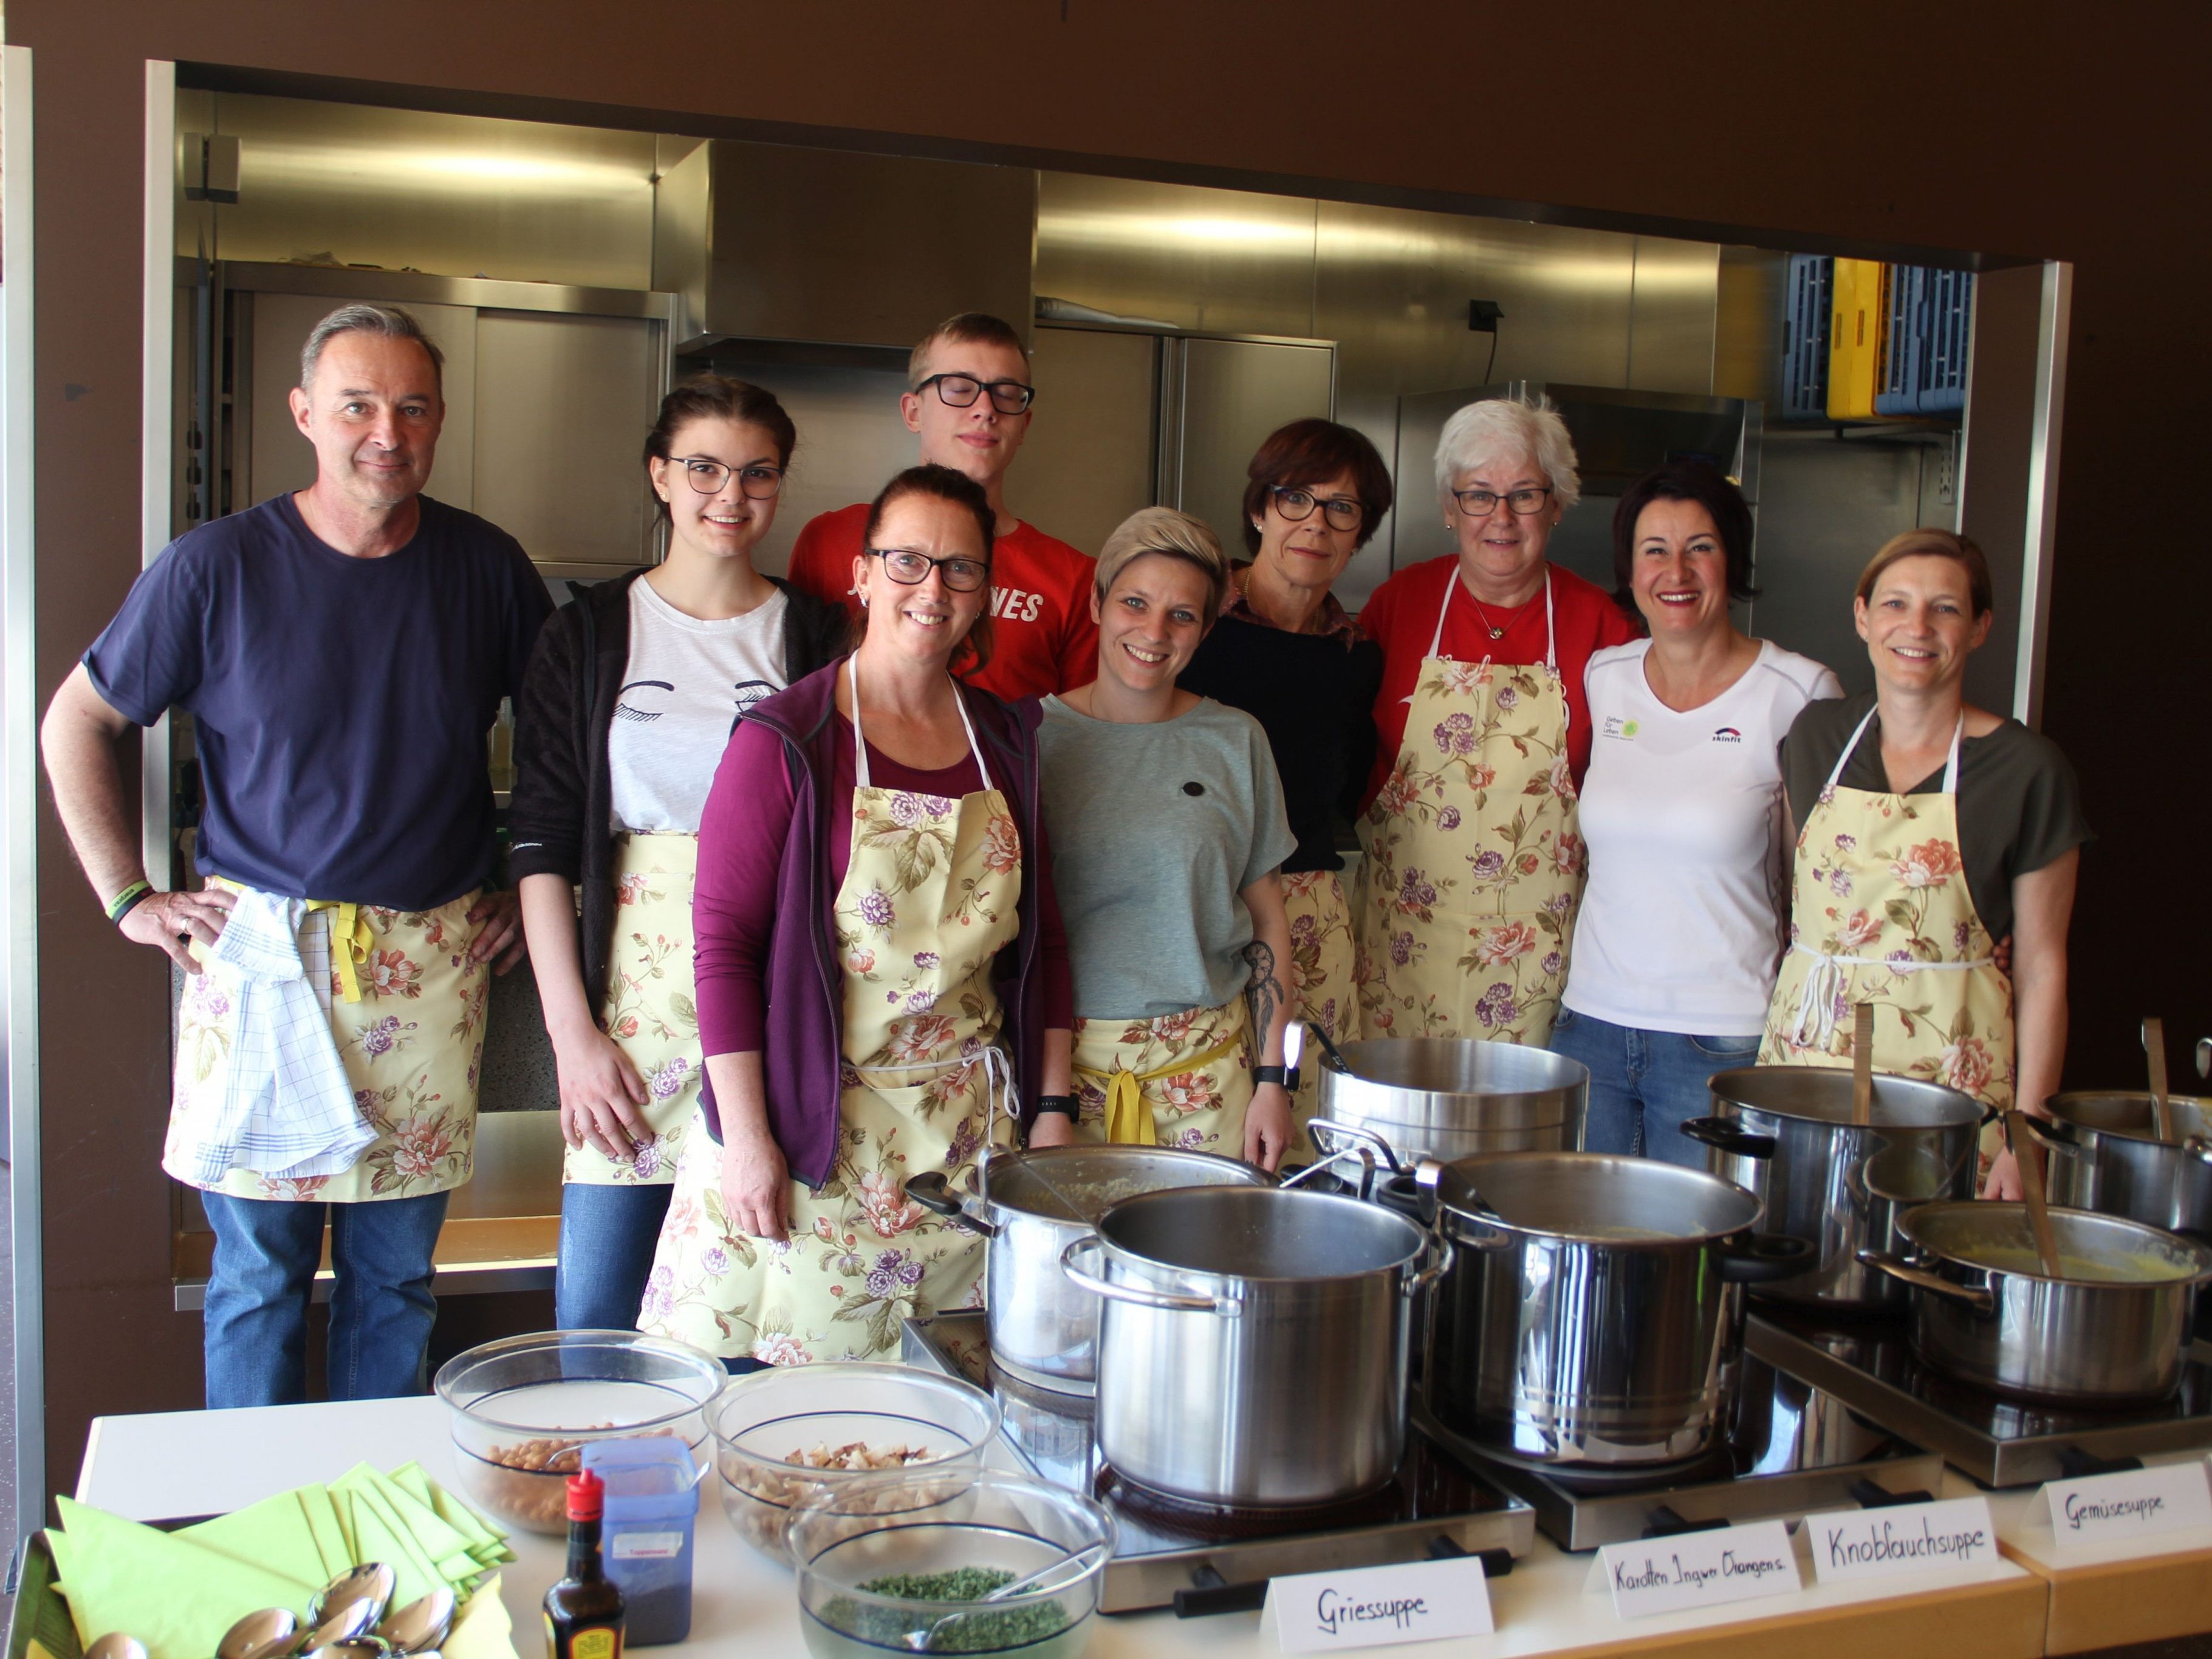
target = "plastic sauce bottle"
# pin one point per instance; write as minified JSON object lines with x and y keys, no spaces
{"x":584,"y":1612}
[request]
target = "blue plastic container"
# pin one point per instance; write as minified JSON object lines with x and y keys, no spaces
{"x":645,"y":1536}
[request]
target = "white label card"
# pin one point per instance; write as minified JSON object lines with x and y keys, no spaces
{"x":647,"y":1546}
{"x":1903,"y":1538}
{"x":2099,"y":1509}
{"x":1700,"y":1569}
{"x":1379,"y":1607}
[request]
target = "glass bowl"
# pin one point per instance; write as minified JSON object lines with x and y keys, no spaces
{"x":770,"y":1425}
{"x":894,"y":1564}
{"x":524,"y":1407}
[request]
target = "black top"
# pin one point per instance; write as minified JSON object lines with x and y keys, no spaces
{"x":2020,"y":806}
{"x":562,"y":813}
{"x":1314,"y":696}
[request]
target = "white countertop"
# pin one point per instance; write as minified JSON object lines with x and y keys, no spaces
{"x":183,"y":1463}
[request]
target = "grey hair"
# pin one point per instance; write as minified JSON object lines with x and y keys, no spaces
{"x":388,"y":321}
{"x":1485,"y":431}
{"x":1177,"y":535}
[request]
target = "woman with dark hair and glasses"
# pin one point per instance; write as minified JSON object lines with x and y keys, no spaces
{"x":630,"y":696}
{"x":1286,"y":652}
{"x":872,"y":866}
{"x":1679,"y":931}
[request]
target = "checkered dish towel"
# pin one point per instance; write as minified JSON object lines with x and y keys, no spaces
{"x":286,"y":1108}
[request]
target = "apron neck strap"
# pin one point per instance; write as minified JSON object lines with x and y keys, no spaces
{"x":1551,"y":625}
{"x":860,"y":743}
{"x":1950,"y":767}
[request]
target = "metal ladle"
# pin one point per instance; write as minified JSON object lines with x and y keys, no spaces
{"x":924,"y":1641}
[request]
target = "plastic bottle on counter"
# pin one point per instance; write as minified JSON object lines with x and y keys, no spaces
{"x":583,"y":1610}
{"x":652,"y":1501}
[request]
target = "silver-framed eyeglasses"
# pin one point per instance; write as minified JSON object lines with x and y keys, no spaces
{"x":961,"y":391}
{"x":911,"y":568}
{"x":1481,"y":503}
{"x":1296,"y":505}
{"x":759,"y":482}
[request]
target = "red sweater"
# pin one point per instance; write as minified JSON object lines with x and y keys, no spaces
{"x":1042,"y":637}
{"x":1401,"y":617}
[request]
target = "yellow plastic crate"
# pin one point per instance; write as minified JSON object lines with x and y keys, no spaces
{"x":1859,"y":339}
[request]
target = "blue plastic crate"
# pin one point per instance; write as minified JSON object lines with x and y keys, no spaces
{"x":1940,"y":387}
{"x":1904,"y":342}
{"x":1805,"y":324}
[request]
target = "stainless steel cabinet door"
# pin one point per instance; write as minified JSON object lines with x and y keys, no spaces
{"x":1233,"y":394}
{"x":1088,"y":461}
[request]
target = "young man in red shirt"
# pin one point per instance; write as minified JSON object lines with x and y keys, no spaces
{"x":968,"y":399}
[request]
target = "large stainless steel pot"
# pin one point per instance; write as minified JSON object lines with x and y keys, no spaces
{"x":1590,"y":1318}
{"x":2105,"y":1156}
{"x":1785,"y":1133}
{"x":1254,"y":1345}
{"x":2111,"y":1330}
{"x":1451,"y":1098}
{"x":1030,"y":1206}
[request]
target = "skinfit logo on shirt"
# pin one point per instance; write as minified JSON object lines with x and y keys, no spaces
{"x":1616,"y":727}
{"x":1727,"y":734}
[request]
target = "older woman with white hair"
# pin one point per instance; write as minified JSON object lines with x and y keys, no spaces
{"x":1165,"y":815}
{"x":1473,"y":863}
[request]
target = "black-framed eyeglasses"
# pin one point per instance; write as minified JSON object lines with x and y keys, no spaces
{"x":1481,"y":503}
{"x":910,"y":568}
{"x":709,"y":478}
{"x":1342,"y":512}
{"x":961,"y":391}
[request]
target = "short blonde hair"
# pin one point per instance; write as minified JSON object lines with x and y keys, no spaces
{"x":1177,"y":535}
{"x":1481,"y":432}
{"x":1961,"y":550}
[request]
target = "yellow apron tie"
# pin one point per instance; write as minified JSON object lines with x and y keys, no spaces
{"x":1128,"y":1120}
{"x":352,"y":940}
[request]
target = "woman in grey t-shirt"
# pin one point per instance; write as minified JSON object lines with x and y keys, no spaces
{"x":1166,"y":821}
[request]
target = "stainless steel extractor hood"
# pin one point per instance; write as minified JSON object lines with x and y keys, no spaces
{"x":779,"y":242}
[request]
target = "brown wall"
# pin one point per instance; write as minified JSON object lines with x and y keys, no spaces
{"x":2057,"y":132}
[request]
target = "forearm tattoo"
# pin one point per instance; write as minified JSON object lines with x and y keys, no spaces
{"x":1263,"y":992}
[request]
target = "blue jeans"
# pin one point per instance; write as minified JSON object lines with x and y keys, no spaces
{"x":266,"y":1251}
{"x":608,"y":1234}
{"x":1645,"y":1084}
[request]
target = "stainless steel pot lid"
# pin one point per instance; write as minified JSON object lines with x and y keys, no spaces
{"x":1079,"y":1184}
{"x":2121,"y":1113}
{"x":1596,"y":1198}
{"x":1260,"y":1233}
{"x":1822,"y":1094}
{"x":2092,"y":1249}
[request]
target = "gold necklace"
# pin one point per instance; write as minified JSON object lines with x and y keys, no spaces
{"x":1498,"y":632}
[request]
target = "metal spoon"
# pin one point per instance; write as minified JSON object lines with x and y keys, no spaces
{"x":264,"y":1635}
{"x":352,"y":1622}
{"x":372,"y":1580}
{"x":361,"y":1647}
{"x":922,"y":1641}
{"x":421,"y":1624}
{"x":116,"y":1645}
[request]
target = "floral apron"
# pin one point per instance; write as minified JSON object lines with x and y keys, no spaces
{"x":1323,"y":963}
{"x":1179,"y":1081}
{"x":1880,"y":912}
{"x":649,"y":1012}
{"x":1473,"y":867}
{"x":407,"y":1007}
{"x":929,"y":901}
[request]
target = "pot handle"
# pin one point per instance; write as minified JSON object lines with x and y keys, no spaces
{"x":1436,"y":1262}
{"x":1366,"y":1170}
{"x":1161,"y":1301}
{"x":1920,"y":1278}
{"x":2057,"y":1134}
{"x":2198,"y":1147}
{"x":1728,"y":1136}
{"x":1764,"y":1258}
{"x":929,"y":1189}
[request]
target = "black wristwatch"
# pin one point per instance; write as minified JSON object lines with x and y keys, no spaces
{"x":1063,"y":1105}
{"x":1285,"y":1075}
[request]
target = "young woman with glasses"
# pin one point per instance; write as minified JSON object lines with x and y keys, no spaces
{"x":631,"y":696}
{"x":1287,"y":654}
{"x":1473,"y":862}
{"x":872,"y":866}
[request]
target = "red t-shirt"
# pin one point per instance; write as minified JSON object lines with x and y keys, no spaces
{"x":1042,"y":637}
{"x":1401,"y":617}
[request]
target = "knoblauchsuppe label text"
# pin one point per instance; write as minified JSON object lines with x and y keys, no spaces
{"x":1907,"y":1538}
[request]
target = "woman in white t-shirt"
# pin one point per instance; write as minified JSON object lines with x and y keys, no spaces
{"x":1680,"y":931}
{"x":628,"y":703}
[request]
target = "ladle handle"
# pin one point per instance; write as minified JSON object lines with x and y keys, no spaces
{"x":2027,"y":1156}
{"x":2161,"y":1113}
{"x":1863,"y":1064}
{"x":1920,"y":1279}
{"x":929,"y":1189}
{"x":1728,"y":1135}
{"x":1329,"y":1050}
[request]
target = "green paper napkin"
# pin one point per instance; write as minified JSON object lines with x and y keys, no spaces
{"x":271,"y":1533}
{"x":381,"y":1538}
{"x":322,"y":1519}
{"x":175,"y":1595}
{"x":443,"y":1544}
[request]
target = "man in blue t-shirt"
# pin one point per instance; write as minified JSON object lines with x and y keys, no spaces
{"x":342,"y":652}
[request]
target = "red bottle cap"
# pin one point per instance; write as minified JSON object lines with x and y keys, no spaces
{"x":587,"y":1496}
